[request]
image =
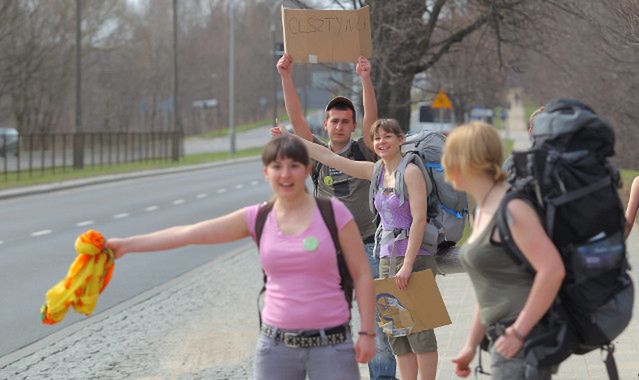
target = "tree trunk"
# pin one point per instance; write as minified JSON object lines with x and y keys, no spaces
{"x":393,"y":97}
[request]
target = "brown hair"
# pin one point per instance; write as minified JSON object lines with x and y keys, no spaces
{"x":387,"y":125}
{"x":285,"y":146}
{"x":474,"y":148}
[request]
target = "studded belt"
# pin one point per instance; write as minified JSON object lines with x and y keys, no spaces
{"x":308,"y":338}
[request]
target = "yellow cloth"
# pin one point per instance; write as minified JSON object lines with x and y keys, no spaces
{"x":87,"y":277}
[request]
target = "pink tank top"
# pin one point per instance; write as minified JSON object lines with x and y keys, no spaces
{"x":302,"y":290}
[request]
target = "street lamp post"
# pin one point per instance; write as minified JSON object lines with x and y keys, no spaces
{"x":177,"y":125}
{"x":232,"y":75}
{"x":78,"y":138}
{"x":274,"y":8}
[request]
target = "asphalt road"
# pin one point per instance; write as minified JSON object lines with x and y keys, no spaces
{"x":38,"y":231}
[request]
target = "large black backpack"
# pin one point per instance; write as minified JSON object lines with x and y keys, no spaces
{"x":567,"y":178}
{"x":328,"y":215}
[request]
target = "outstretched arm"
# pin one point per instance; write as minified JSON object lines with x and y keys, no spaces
{"x":369,"y":100}
{"x":291,"y":99}
{"x":357,"y":169}
{"x":357,"y":263}
{"x":633,"y":205}
{"x":224,"y":229}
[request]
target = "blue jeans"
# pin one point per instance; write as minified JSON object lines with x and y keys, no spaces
{"x":382,"y":367}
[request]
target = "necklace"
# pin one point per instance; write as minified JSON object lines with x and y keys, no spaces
{"x":481,"y":205}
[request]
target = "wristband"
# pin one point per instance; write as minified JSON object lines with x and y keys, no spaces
{"x":367,"y":333}
{"x":516,"y":334}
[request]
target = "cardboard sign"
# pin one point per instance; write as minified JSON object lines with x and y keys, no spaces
{"x":419,"y":307}
{"x":316,"y":36}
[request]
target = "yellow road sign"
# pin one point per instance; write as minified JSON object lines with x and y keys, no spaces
{"x":442,"y":101}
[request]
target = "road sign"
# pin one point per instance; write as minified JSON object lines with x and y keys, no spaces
{"x":442,"y":101}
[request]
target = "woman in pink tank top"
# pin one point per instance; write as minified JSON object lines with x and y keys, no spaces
{"x":305,"y":330}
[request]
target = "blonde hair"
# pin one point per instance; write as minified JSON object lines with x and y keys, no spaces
{"x":474,"y":148}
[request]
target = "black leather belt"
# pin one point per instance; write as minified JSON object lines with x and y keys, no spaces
{"x":369,"y":240}
{"x":308,"y":338}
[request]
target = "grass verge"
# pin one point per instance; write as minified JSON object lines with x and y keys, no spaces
{"x":37,"y":177}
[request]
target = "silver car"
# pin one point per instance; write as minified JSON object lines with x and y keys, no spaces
{"x":8,"y":141}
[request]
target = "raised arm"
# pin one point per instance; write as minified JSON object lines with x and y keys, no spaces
{"x":224,"y":229}
{"x":416,"y":187}
{"x":542,"y":254}
{"x":633,"y":205}
{"x":357,"y":263}
{"x":369,"y":100}
{"x":291,"y":99}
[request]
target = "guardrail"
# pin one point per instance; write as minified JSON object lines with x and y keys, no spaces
{"x":36,"y":153}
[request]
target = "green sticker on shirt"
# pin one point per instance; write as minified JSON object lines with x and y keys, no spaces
{"x":328,"y":180}
{"x":310,"y":243}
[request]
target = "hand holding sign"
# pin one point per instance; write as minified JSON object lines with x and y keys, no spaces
{"x":315,"y":36}
{"x":363,"y":68}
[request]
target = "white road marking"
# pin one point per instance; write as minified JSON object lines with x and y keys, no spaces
{"x":120,"y":216}
{"x":220,"y":191}
{"x":85,"y":223}
{"x":1,"y":242}
{"x":255,"y":183}
{"x":178,"y":201}
{"x":41,"y":233}
{"x":240,"y":186}
{"x":202,"y":195}
{"x":151,"y":208}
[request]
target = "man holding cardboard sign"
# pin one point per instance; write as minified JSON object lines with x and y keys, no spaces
{"x":340,"y":122}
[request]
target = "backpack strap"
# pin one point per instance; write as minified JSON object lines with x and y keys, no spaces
{"x":260,"y":220}
{"x":346,"y":282}
{"x":400,"y":186}
{"x":507,"y":241}
{"x":374,"y":187}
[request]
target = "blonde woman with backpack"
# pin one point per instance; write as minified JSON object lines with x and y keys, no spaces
{"x":510,"y":300}
{"x":416,"y":353}
{"x":305,"y":329}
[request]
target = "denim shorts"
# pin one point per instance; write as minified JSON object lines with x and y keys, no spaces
{"x":274,"y":360}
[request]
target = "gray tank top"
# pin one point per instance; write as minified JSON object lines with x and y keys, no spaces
{"x":500,"y":285}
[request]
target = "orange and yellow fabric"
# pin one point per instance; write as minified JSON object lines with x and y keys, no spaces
{"x":87,"y":277}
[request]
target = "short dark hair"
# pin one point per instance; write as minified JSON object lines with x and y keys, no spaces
{"x":285,"y":146}
{"x":340,"y":103}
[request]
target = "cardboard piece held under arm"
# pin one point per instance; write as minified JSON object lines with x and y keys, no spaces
{"x":317,"y":36}
{"x":419,"y":307}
